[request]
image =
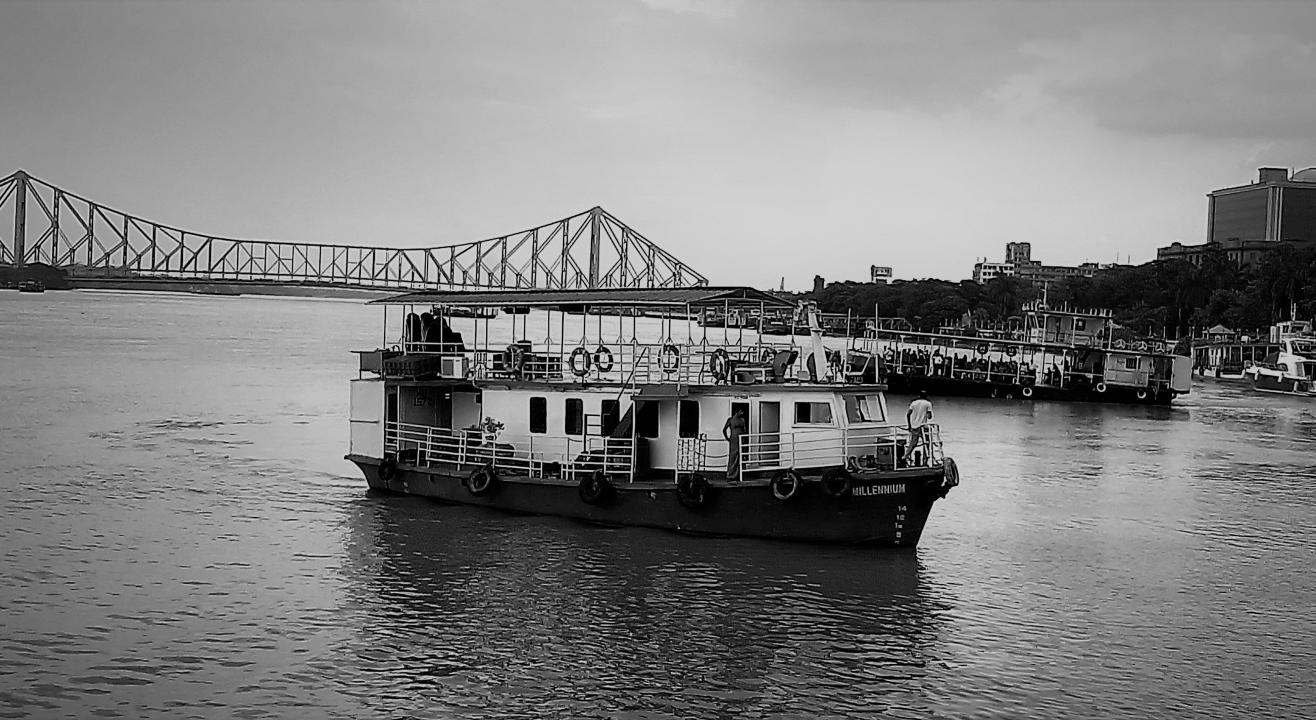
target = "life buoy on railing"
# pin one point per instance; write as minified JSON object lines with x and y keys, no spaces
{"x":388,"y":468}
{"x":982,"y":348}
{"x":594,"y":488}
{"x":1120,"y":344}
{"x":1101,"y":387}
{"x":836,"y":482}
{"x":1142,"y":394}
{"x":719,"y":365}
{"x":603,"y":358}
{"x":482,"y":481}
{"x":669,"y":358}
{"x":580,"y":361}
{"x":786,"y":484}
{"x":1011,"y":351}
{"x":693,"y":491}
{"x":1026,"y":392}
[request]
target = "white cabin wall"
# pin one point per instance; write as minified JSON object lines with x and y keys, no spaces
{"x":366,"y":418}
{"x":512,"y":407}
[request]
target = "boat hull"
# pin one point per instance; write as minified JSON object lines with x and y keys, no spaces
{"x":881,"y":509}
{"x":1266,"y":382}
{"x":951,"y":387}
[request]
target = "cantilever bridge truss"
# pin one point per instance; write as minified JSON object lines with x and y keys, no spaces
{"x":42,"y":223}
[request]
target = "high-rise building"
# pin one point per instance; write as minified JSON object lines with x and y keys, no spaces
{"x":1247,"y":221}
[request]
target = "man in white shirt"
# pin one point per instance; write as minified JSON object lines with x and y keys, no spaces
{"x":917,"y":418}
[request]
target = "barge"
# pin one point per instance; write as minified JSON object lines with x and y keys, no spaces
{"x":1059,"y":354}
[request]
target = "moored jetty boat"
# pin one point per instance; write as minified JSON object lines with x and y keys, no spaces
{"x":1059,"y":354}
{"x":1291,"y":367}
{"x":32,"y":286}
{"x":585,"y":407}
{"x":1223,"y":354}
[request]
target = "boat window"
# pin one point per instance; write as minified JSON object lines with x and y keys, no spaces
{"x":813,"y":413}
{"x":688,"y":425}
{"x":646,"y":420}
{"x":575,"y":420}
{"x":609,"y":416}
{"x":1131,"y":363}
{"x":538,"y":415}
{"x":862,"y":408}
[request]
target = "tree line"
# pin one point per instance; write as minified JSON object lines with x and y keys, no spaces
{"x":1163,"y":298}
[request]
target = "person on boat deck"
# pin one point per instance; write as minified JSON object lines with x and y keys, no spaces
{"x":734,"y":427}
{"x":917,"y":418}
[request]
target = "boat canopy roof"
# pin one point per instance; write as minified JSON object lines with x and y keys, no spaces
{"x":604,"y":297}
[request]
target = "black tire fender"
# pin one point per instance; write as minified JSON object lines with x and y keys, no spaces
{"x":595,"y":488}
{"x":786,"y":485}
{"x":483,"y":480}
{"x":837,"y":482}
{"x":694,"y":491}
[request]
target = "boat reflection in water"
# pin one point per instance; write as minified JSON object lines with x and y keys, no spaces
{"x":468,"y":607}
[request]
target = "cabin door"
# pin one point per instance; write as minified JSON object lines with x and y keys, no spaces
{"x":768,"y":452}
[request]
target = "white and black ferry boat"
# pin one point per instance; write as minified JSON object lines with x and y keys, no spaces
{"x":1059,"y":354}
{"x":1291,"y":368}
{"x":616,"y":407}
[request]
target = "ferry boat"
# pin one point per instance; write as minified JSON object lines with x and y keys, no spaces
{"x":567,"y":410}
{"x":1060,"y":354}
{"x":1291,"y":368}
{"x":32,"y":286}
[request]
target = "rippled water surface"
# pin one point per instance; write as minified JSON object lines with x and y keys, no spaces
{"x":182,"y":538}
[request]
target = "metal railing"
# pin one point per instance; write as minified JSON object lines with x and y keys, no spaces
{"x":876,"y":447}
{"x":557,"y":456}
{"x":863,"y":447}
{"x":628,"y":363}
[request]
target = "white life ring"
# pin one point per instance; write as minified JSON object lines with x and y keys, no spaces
{"x":1101,"y":387}
{"x":1027,"y":392}
{"x":1142,"y":394}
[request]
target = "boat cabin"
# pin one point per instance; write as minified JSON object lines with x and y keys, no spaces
{"x":1066,"y":326}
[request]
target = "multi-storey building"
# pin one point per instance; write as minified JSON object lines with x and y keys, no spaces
{"x":1247,"y":221}
{"x":1019,"y":263}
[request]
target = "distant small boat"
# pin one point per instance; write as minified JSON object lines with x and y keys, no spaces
{"x":32,"y":286}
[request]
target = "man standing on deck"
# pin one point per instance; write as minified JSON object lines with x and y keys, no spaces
{"x":734,"y":427}
{"x":916,"y":418}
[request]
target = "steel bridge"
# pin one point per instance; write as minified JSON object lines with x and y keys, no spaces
{"x":589,"y":250}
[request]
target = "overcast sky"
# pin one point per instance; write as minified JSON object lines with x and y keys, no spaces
{"x":753,"y":140}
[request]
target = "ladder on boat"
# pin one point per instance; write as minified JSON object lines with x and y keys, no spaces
{"x":691,"y":455}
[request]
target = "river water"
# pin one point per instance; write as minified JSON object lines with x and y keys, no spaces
{"x":182,"y":538}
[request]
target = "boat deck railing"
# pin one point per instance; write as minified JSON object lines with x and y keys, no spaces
{"x":857,"y":448}
{"x":861,"y":447}
{"x":567,"y":457}
{"x":703,"y":363}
